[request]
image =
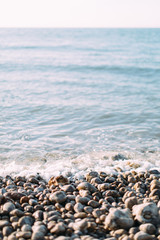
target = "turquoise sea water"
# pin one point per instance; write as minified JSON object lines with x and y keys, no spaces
{"x":71,"y":99}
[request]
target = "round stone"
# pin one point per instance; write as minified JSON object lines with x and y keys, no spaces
{"x":58,"y":197}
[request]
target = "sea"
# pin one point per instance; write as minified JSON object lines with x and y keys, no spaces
{"x":79,"y":100}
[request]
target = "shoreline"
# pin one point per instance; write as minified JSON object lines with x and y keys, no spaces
{"x":125,"y":206}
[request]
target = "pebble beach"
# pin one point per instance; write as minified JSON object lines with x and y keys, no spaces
{"x":79,"y":134}
{"x":124,"y":206}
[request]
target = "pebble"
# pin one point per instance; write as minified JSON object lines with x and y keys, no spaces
{"x":4,"y":223}
{"x":122,"y":206}
{"x":130,"y":202}
{"x":78,"y":207}
{"x":58,"y":197}
{"x":58,"y":228}
{"x":8,"y":206}
{"x":25,"y":220}
{"x":37,"y":236}
{"x":7,"y":230}
{"x":86,"y":186}
{"x":148,"y":228}
{"x":146,"y":212}
{"x":142,"y":236}
{"x":119,"y":218}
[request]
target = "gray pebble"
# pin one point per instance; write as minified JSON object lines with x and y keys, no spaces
{"x":58,"y":197}
{"x":23,"y":234}
{"x":148,"y":228}
{"x":37,"y":236}
{"x":25,"y":220}
{"x":26,"y":228}
{"x":4,"y":223}
{"x":143,"y":236}
{"x":7,"y":230}
{"x":8,"y":206}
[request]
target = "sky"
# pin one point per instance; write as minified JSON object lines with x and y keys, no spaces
{"x":80,"y":13}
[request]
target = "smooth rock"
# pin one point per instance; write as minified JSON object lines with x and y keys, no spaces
{"x":86,"y":186}
{"x":7,"y":230}
{"x":58,"y":197}
{"x":25,"y":220}
{"x":17,"y":212}
{"x":23,"y":235}
{"x":80,"y":225}
{"x":119,"y":218}
{"x":59,"y":180}
{"x":142,"y":236}
{"x":146,"y":212}
{"x":148,"y":228}
{"x":40,"y":228}
{"x":4,"y":223}
{"x":37,"y":236}
{"x":91,"y":175}
{"x":78,"y":207}
{"x":58,"y":228}
{"x":26,"y":228}
{"x":8,"y":206}
{"x":130,"y":202}
{"x":68,"y":188}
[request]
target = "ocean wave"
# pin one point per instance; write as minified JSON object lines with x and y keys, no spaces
{"x":114,"y":69}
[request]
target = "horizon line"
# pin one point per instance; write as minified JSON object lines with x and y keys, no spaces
{"x":42,"y":27}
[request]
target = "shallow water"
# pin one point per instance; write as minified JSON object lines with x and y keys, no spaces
{"x":71,"y":99}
